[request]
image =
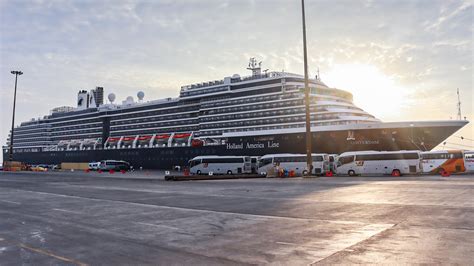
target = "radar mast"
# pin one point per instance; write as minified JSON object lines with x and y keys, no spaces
{"x":255,"y":67}
{"x":459,"y":106}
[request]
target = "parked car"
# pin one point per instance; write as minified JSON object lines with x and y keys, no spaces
{"x":39,"y":168}
{"x":114,"y":165}
{"x":94,"y":166}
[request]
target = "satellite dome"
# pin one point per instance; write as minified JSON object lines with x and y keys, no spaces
{"x":236,"y":76}
{"x":140,"y":95}
{"x":111,"y":97}
{"x":129,"y":99}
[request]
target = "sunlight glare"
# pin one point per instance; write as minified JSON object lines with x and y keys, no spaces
{"x":373,"y":91}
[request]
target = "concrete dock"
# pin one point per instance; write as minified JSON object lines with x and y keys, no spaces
{"x":89,"y":218}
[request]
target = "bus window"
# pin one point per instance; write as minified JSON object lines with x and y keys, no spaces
{"x":318,"y":158}
{"x":346,"y":159}
{"x":194,"y":163}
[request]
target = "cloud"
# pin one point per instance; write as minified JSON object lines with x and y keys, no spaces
{"x":448,"y":13}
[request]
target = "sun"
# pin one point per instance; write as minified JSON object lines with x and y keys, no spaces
{"x":373,"y":91}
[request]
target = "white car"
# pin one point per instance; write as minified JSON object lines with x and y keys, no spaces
{"x":94,"y":166}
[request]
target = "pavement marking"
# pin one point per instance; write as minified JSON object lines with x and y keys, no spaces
{"x":45,"y":252}
{"x":352,"y":239}
{"x":160,"y":225}
{"x":62,"y":210}
{"x":269,"y":197}
{"x":13,"y":202}
{"x":257,"y":216}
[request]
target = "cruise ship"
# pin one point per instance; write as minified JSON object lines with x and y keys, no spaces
{"x":253,"y":115}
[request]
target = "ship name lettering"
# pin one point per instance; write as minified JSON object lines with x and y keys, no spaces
{"x":272,"y":144}
{"x":233,"y":146}
{"x":255,"y":145}
{"x":365,"y":142}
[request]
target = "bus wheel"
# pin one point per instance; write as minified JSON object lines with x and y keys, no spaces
{"x":351,"y":173}
{"x":229,"y":172}
{"x":396,"y":172}
{"x":198,"y":172}
{"x":305,"y":172}
{"x":441,"y":171}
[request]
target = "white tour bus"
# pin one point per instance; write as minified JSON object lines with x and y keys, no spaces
{"x":469,"y":161}
{"x":394,"y":163}
{"x":220,"y":165}
{"x":272,"y":163}
{"x":435,"y":162}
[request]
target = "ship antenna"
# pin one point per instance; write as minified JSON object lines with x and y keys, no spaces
{"x":459,"y":106}
{"x":255,"y":67}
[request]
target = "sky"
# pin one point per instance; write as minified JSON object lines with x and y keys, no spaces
{"x":402,"y":59}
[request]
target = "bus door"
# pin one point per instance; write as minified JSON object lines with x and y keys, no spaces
{"x":359,"y":165}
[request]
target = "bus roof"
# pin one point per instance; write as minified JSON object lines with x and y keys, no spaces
{"x":349,"y":153}
{"x":442,"y":151}
{"x":216,"y":156}
{"x":291,"y":155}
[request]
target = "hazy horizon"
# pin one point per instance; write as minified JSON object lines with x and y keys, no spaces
{"x":402,"y":60}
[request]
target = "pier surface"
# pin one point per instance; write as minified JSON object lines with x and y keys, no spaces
{"x":89,"y":218}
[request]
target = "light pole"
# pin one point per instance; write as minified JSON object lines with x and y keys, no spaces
{"x":10,"y":154}
{"x":309,"y":159}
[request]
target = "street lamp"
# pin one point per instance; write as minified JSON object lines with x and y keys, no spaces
{"x":309,"y":159}
{"x":10,"y":154}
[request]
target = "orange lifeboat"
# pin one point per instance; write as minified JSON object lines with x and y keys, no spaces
{"x":144,"y":138}
{"x":163,"y":136}
{"x":113,"y":139}
{"x":182,"y":135}
{"x":127,"y":139}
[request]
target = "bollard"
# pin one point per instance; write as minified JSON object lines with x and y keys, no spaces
{"x":329,"y":173}
{"x":122,"y":171}
{"x":87,"y":170}
{"x":99,"y":171}
{"x":111,"y":171}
